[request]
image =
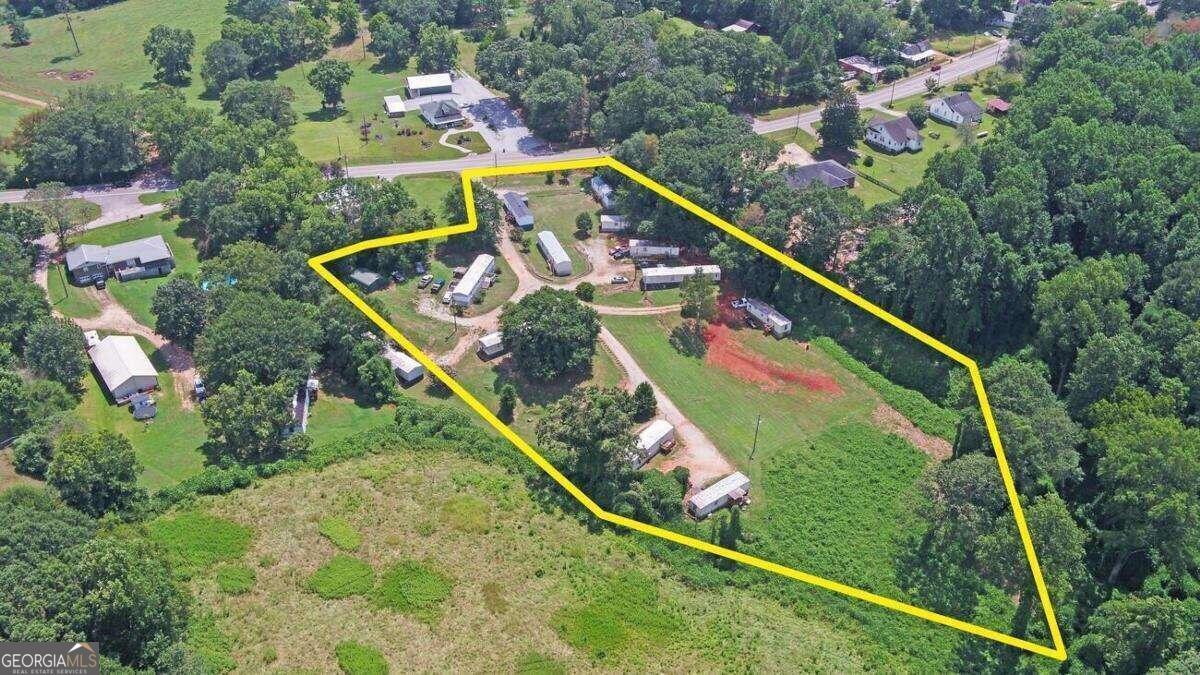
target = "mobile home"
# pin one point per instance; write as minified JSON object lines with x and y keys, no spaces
{"x":771,"y":318}
{"x":665,"y":277}
{"x":733,"y":488}
{"x":473,"y":280}
{"x":555,"y":254}
{"x":407,"y":368}
{"x":640,"y":249}
{"x":651,"y":439}
{"x":614,"y":223}
{"x":603,"y":192}
{"x":518,"y":207}
{"x":491,"y":344}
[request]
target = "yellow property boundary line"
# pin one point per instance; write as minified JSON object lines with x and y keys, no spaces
{"x":318,"y":263}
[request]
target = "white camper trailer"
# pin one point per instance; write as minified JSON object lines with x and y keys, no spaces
{"x":733,"y":488}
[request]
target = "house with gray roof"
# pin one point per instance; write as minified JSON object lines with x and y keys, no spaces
{"x":368,"y":280}
{"x":149,"y":257}
{"x":956,"y":109}
{"x":916,"y":53}
{"x":826,"y":172}
{"x":441,"y":114}
{"x":893,"y":135}
{"x":517,"y":207}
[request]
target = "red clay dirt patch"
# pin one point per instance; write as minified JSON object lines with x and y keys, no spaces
{"x":69,"y":75}
{"x":890,"y":420}
{"x":727,"y":353}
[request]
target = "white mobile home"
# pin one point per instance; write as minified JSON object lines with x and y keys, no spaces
{"x":665,"y":277}
{"x":651,"y":439}
{"x":614,"y":223}
{"x":407,"y":368}
{"x":491,"y":344}
{"x":555,"y":254}
{"x":603,"y":192}
{"x":472,"y":280}
{"x":732,"y":488}
{"x":645,"y":248}
{"x":123,"y":367}
{"x":771,"y":318}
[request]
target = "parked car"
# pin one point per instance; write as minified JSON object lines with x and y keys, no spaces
{"x":101,"y":284}
{"x":398,"y":276}
{"x":425,"y":281}
{"x":620,"y":279}
{"x":740,"y":303}
{"x":437,"y":285}
{"x":199,"y":389}
{"x":446,"y":298}
{"x":935,"y":67}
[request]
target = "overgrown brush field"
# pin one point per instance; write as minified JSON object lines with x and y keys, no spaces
{"x":538,"y":592}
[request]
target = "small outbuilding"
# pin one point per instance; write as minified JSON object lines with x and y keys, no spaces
{"x":741,"y":26}
{"x":556,"y":256}
{"x":667,"y":277}
{"x":651,"y":439}
{"x":998,"y":106}
{"x":473,"y":280}
{"x":491,"y":345}
{"x":142,"y":406}
{"x":407,"y":369}
{"x":433,"y":83}
{"x":613,"y":223}
{"x":393,"y":106}
{"x":732,"y":489}
{"x":517,"y":206}
{"x":602,"y":191}
{"x":367,"y":280}
{"x":643,"y":249}
{"x":771,"y":318}
{"x":123,"y":367}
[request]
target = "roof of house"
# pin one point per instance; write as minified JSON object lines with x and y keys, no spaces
{"x":429,"y":81}
{"x":401,"y":361}
{"x":654,"y":433}
{"x":963,"y":104}
{"x":119,"y":358}
{"x":740,"y":26}
{"x":901,"y":129}
{"x":613,"y":222}
{"x":999,"y":104}
{"x":652,"y":273}
{"x":492,"y":339}
{"x":515,"y":203}
{"x":860,"y":63}
{"x":365,"y":277}
{"x":600,"y":186}
{"x":650,"y":243}
{"x":143,"y":251}
{"x":827,"y":172}
{"x":915,"y":48}
{"x":766,"y":312}
{"x":440,"y":111}
{"x":552,"y":248}
{"x":481,"y":265}
{"x":393,"y":104}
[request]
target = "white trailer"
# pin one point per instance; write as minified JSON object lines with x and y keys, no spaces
{"x":666,"y":277}
{"x":640,"y":249}
{"x":613,"y":223}
{"x":555,"y":254}
{"x":473,"y":279}
{"x":732,"y":488}
{"x":407,"y":368}
{"x":491,"y":344}
{"x":776,"y":322}
{"x":650,"y":440}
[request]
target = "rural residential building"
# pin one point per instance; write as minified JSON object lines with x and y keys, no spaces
{"x":641,"y":249}
{"x":491,"y":344}
{"x":556,"y":256}
{"x":614,"y":223}
{"x":366,"y":279}
{"x":665,"y":277}
{"x":603,"y":192}
{"x":771,"y":318}
{"x":956,"y":109}
{"x":425,"y":85}
{"x":149,"y":257}
{"x":123,"y":367}
{"x":650,"y":440}
{"x":441,"y":114}
{"x":407,"y":368}
{"x":473,"y":279}
{"x":998,"y":106}
{"x":732,"y":489}
{"x":894,"y":135}
{"x":860,"y":65}
{"x":1002,"y":20}
{"x":740,"y":26}
{"x":826,"y":172}
{"x":517,"y":206}
{"x":393,"y":106}
{"x":916,"y":53}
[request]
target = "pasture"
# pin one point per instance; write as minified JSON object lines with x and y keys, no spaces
{"x":557,"y":596}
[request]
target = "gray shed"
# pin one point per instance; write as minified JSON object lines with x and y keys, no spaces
{"x":368,"y":280}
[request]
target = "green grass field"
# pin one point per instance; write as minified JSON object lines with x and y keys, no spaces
{"x":953,"y":43}
{"x":554,"y":208}
{"x":10,"y":112}
{"x":637,"y":298}
{"x":168,"y":446}
{"x":539,"y":590}
{"x":430,"y":190}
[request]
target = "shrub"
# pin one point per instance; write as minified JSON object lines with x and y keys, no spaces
{"x":412,"y":588}
{"x":359,"y":659}
{"x":235,"y":579}
{"x":340,"y":533}
{"x":869,"y":160}
{"x":585,"y":291}
{"x":195,"y":541}
{"x":342,"y":577}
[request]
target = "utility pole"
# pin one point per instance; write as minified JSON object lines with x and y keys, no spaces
{"x":757,"y":424}
{"x":66,"y":10}
{"x":893,"y":99}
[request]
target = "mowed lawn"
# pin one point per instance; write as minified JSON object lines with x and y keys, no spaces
{"x":136,"y":295}
{"x":167,"y":446}
{"x":10,"y":112}
{"x":832,"y":490}
{"x":110,"y":39}
{"x":430,"y":190}
{"x":555,"y":208}
{"x":497,"y":582}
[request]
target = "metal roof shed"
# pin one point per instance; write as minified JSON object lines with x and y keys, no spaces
{"x":650,"y":440}
{"x":123,"y":367}
{"x":393,"y":105}
{"x":556,"y":255}
{"x":433,"y":83}
{"x":719,"y":494}
{"x":491,"y":344}
{"x":368,"y":280}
